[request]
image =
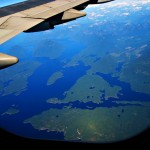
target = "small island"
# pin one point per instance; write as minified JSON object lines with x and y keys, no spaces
{"x":10,"y":111}
{"x":54,"y":77}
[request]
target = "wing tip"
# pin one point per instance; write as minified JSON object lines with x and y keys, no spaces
{"x":7,"y":60}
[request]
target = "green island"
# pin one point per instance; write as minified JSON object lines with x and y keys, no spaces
{"x":51,"y":49}
{"x":98,"y":125}
{"x":137,"y":72}
{"x":93,"y":88}
{"x":17,"y":78}
{"x":54,"y":77}
{"x":10,"y":111}
{"x":135,"y":61}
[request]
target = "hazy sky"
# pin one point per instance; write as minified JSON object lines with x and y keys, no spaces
{"x":9,"y":2}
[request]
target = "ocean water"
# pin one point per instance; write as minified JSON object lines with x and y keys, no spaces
{"x":33,"y":100}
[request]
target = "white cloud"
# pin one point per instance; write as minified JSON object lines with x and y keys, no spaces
{"x":126,"y":14}
{"x":122,"y":3}
{"x":126,"y":7}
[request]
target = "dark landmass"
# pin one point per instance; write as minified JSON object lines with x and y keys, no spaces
{"x":8,"y":139}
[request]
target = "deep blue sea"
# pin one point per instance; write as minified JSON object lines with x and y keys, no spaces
{"x":33,"y":101}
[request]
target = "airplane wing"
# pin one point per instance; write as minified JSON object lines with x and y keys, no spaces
{"x":14,"y":23}
{"x":38,"y":15}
